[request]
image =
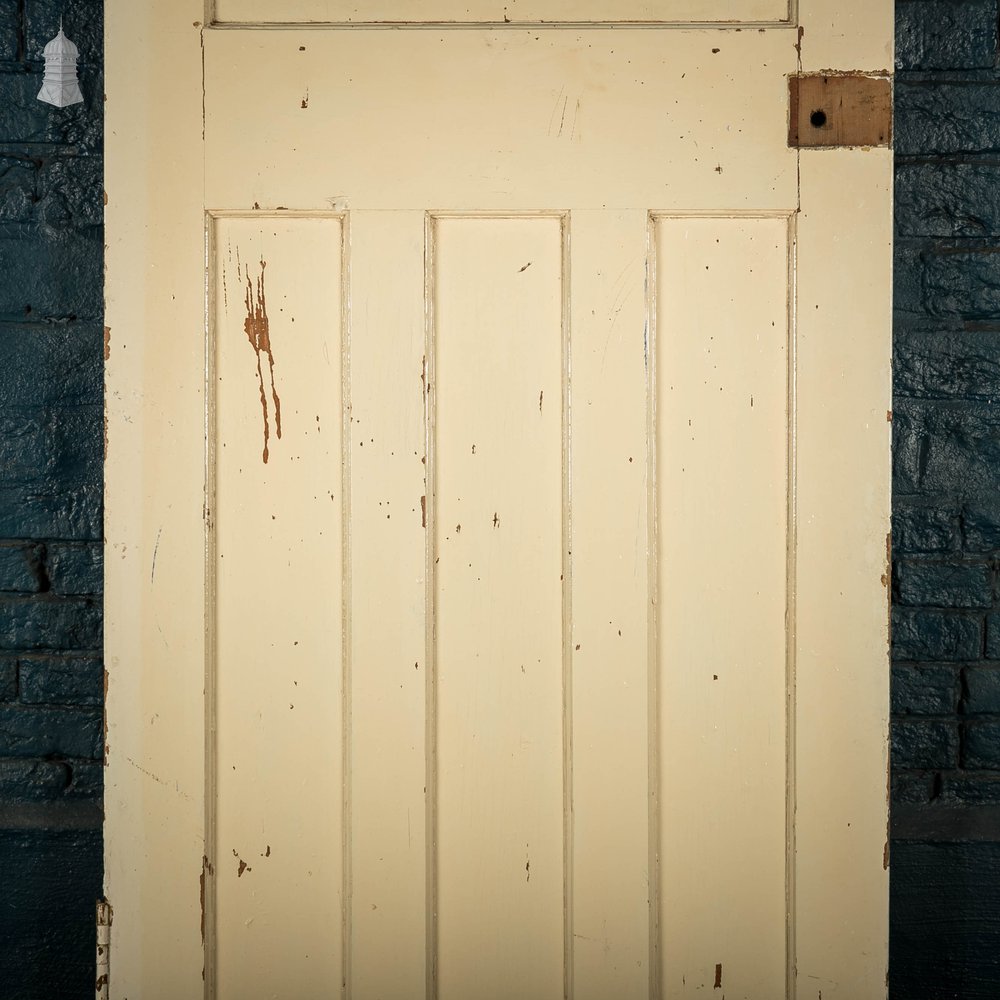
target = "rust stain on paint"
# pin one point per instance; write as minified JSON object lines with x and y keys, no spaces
{"x":241,"y":865}
{"x":258,"y":331}
{"x":718,"y":976}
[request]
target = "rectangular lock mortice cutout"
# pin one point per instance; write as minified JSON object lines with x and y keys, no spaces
{"x":839,"y":109}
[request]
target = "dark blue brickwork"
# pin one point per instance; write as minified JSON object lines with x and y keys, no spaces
{"x":945,"y":928}
{"x":51,"y":451}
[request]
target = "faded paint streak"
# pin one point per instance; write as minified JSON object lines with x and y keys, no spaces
{"x":258,"y":331}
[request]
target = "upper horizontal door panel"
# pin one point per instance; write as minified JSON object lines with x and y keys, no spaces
{"x":494,"y":12}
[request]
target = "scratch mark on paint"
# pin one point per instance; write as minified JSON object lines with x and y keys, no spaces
{"x":305,"y":100}
{"x":496,"y":520}
{"x":423,"y":511}
{"x":555,"y":108}
{"x":541,"y":395}
{"x":718,"y":976}
{"x":258,"y":331}
{"x":562,"y":116}
{"x":156,"y":548}
{"x":521,"y":270}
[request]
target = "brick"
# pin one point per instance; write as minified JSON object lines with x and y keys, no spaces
{"x":946,"y":117}
{"x":982,"y":691}
{"x":8,"y":678}
{"x":922,"y":530}
{"x":946,"y":34}
{"x":930,"y":689}
{"x":947,"y":200}
{"x":945,"y":448}
{"x":924,"y":743}
{"x":55,"y":680}
{"x":26,"y":120}
{"x":934,"y":635}
{"x":982,"y":745}
{"x":979,"y":790}
{"x":946,"y":365}
{"x":49,"y":623}
{"x":22,"y":568}
{"x":63,"y":507}
{"x":945,"y":285}
{"x":911,"y":787}
{"x":24,"y":780}
{"x":48,"y":443}
{"x":75,"y":569}
{"x":962,"y":285}
{"x":51,"y":365}
{"x":18,"y":189}
{"x":83,"y":23}
{"x":51,"y":445}
{"x":57,"y":276}
{"x":947,"y":585}
{"x":993,"y":637}
{"x":87,"y":780}
{"x":981,"y":527}
{"x":71,"y":191}
{"x":42,"y":732}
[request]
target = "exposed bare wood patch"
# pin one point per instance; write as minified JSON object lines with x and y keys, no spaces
{"x":839,"y":109}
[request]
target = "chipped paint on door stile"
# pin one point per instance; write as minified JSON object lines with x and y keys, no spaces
{"x":527,"y":459}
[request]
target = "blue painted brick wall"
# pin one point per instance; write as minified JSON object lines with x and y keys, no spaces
{"x":51,"y":451}
{"x":945,"y":877}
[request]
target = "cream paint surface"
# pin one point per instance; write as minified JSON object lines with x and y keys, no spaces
{"x":512,"y":11}
{"x":609,"y":736}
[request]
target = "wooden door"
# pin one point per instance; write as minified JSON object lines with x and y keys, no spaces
{"x":497,"y":503}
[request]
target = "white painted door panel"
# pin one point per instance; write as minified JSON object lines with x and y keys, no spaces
{"x":505,"y":411}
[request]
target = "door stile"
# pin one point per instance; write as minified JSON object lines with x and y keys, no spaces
{"x":429,"y":513}
{"x":649,"y":349}
{"x":347,"y":614}
{"x":567,"y":606}
{"x":209,"y":894}
{"x":790,"y":617}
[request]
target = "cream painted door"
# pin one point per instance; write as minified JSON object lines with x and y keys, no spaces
{"x":497,"y":502}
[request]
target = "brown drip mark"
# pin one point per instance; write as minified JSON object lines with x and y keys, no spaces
{"x":258,"y":333}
